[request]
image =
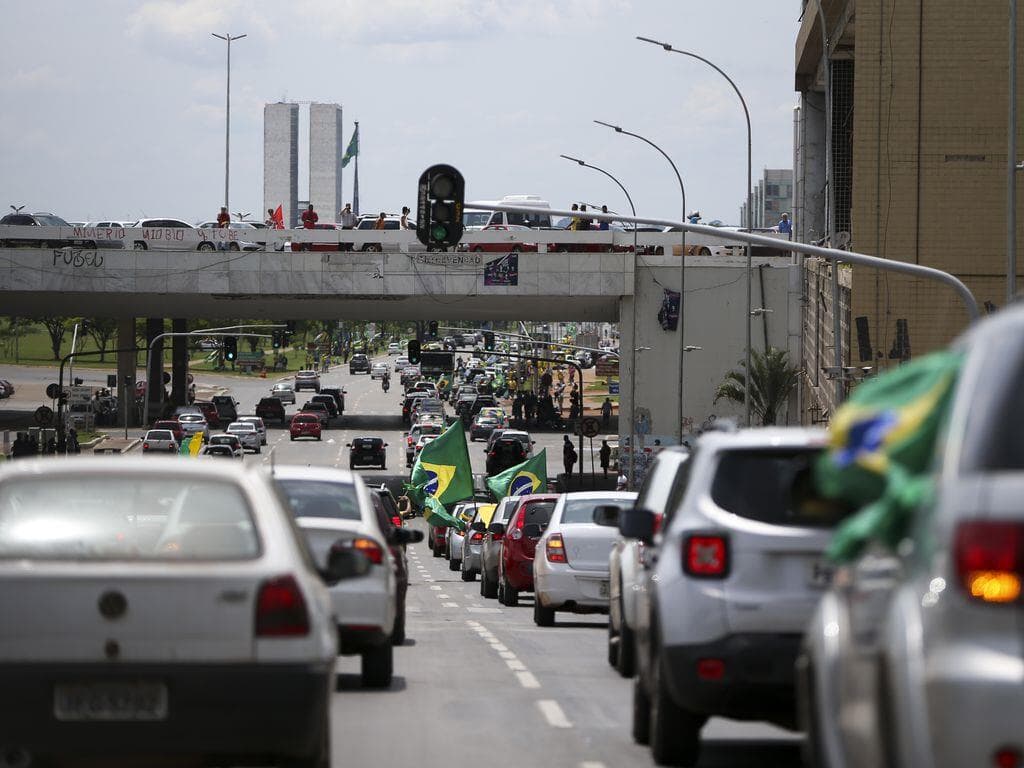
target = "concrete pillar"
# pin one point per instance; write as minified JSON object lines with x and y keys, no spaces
{"x":809,"y":192}
{"x":155,"y":374}
{"x":179,"y":362}
{"x":126,"y":363}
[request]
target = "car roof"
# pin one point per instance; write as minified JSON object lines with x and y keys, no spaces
{"x":328,"y":474}
{"x":764,"y":437}
{"x":598,"y":495}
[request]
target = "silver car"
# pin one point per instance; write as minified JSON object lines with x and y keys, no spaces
{"x":159,"y":441}
{"x":247,"y":433}
{"x":193,"y":424}
{"x":472,"y":541}
{"x":283,"y":391}
{"x":454,"y":537}
{"x":260,"y":426}
{"x":916,"y":657}
{"x":490,"y":548}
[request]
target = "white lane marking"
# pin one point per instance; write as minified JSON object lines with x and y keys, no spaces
{"x":592,"y":764}
{"x":507,"y":655}
{"x":553,"y":713}
{"x":445,"y":597}
{"x":449,"y":605}
{"x":433,"y":587}
{"x":515,"y":665}
{"x":527,"y":680}
{"x":498,"y":646}
{"x":473,"y":624}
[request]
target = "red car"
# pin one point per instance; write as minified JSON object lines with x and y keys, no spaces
{"x":172,"y":424}
{"x":209,"y":411}
{"x":305,"y":425}
{"x":435,"y":539}
{"x":524,"y":528}
{"x":332,"y":246}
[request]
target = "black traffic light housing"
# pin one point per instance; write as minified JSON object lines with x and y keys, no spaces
{"x":489,"y":341}
{"x":439,"y":200}
{"x":414,"y":352}
{"x":432,"y":325}
{"x":277,"y":339}
{"x":230,"y":348}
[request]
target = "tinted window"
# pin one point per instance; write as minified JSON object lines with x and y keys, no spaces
{"x":18,"y":219}
{"x":582,"y":510}
{"x":538,"y":512}
{"x":312,"y":498}
{"x":774,"y":487}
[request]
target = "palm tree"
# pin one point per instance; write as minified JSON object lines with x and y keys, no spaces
{"x":772,"y":381}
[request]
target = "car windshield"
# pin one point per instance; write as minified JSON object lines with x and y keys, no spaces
{"x":774,"y":487}
{"x":190,"y":417}
{"x":131,"y":517}
{"x":475,"y":218}
{"x":538,"y":512}
{"x":316,"y":498}
{"x":582,"y":510}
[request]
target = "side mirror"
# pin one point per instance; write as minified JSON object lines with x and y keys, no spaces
{"x":637,"y":523}
{"x":406,"y":536}
{"x":385,"y":445}
{"x":532,"y":530}
{"x":496,"y":528}
{"x":344,"y":563}
{"x":479,"y":527}
{"x":607,"y":515}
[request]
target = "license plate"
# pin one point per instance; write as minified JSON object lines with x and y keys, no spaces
{"x":821,"y":574}
{"x":602,"y":589}
{"x":123,"y":700}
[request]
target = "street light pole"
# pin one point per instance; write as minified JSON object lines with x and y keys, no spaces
{"x":227,"y":123}
{"x":750,"y":210}
{"x":682,"y":275}
{"x":633,"y":383}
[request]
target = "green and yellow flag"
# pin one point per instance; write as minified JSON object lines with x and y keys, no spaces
{"x":881,"y":448}
{"x":441,"y":476}
{"x":191,"y":446}
{"x":521,"y":480}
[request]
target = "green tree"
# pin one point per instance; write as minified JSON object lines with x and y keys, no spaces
{"x":101,"y":330}
{"x":772,"y":381}
{"x":56,"y":327}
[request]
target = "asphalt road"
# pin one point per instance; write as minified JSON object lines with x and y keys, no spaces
{"x":477,"y":682}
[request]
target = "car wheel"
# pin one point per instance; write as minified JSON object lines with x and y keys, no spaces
{"x":378,"y":664}
{"x":675,"y":732}
{"x":322,"y":757}
{"x":293,"y":436}
{"x":205,"y":247}
{"x":488,"y":588}
{"x":468,"y":576}
{"x":351,"y":465}
{"x":258,"y":450}
{"x":542,"y":617}
{"x":233,"y":246}
{"x":138,"y":245}
{"x":438,"y":550}
{"x":613,"y":646}
{"x":641,"y":726}
{"x":511,"y":595}
{"x":319,"y":438}
{"x":398,"y":633}
{"x":626,"y":661}
{"x":501,"y":588}
{"x":453,"y":564}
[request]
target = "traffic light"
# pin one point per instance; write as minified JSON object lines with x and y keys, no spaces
{"x":489,"y":341}
{"x":433,"y":328}
{"x":276,"y":339}
{"x":440,"y":198}
{"x":230,"y":348}
{"x":414,"y":352}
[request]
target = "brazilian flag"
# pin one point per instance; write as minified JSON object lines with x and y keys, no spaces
{"x":191,"y":446}
{"x":441,"y":476}
{"x":881,"y":449}
{"x":523,"y":479}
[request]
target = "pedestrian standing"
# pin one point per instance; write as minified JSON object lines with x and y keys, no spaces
{"x":223,"y":222}
{"x":584,"y":221}
{"x":405,"y":217}
{"x":606,"y":411}
{"x":574,"y":223}
{"x":346,"y":218}
{"x":604,"y":224}
{"x":785,"y":225}
{"x":569,"y":455}
{"x":605,"y":455}
{"x":309,"y":218}
{"x":379,"y":223}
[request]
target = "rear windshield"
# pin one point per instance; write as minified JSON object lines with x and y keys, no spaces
{"x":538,"y":512}
{"x":367,"y":442}
{"x":125,"y":518}
{"x":582,"y":510}
{"x":775,"y":487}
{"x":311,"y":498}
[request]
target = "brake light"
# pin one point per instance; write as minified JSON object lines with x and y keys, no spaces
{"x":145,"y":446}
{"x":1007,"y":757}
{"x":706,"y":556}
{"x":373,"y":551}
{"x":554,"y":550}
{"x":396,"y":520}
{"x":281,"y":609}
{"x":658,"y":518}
{"x":990,"y":560}
{"x":710,"y":669}
{"x":477,"y":536}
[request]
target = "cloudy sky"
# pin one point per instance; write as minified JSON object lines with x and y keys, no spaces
{"x":116,"y":109}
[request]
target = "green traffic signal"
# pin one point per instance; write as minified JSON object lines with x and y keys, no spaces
{"x":230,"y":348}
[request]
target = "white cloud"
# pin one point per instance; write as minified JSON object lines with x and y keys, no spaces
{"x":181,"y":20}
{"x":35,"y":79}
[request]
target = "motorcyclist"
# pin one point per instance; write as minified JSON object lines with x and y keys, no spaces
{"x":385,"y":382}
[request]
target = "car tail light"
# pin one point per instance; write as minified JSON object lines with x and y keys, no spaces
{"x":396,"y":521}
{"x":706,"y":556}
{"x":281,"y":609}
{"x":710,"y":669}
{"x":990,"y":560}
{"x":477,"y":536}
{"x":373,"y":551}
{"x":658,"y":518}
{"x":145,"y":446}
{"x":554,"y":550}
{"x":1007,"y":757}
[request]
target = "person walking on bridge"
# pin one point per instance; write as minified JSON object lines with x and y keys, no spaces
{"x":223,"y":222}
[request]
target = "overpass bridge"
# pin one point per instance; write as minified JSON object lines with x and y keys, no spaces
{"x":387,"y":275}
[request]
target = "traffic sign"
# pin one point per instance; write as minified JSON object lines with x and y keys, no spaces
{"x":591,"y":427}
{"x":613,"y":388}
{"x":44,"y":416}
{"x":52,"y":390}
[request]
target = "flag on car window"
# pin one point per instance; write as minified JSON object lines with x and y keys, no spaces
{"x":881,"y":447}
{"x":353,"y":147}
{"x":441,"y":476}
{"x":191,"y":446}
{"x":521,"y":480}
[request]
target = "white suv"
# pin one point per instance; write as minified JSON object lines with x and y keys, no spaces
{"x":736,"y":573}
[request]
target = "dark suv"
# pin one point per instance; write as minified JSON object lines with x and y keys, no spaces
{"x":505,"y":453}
{"x":271,"y":408}
{"x":364,"y":451}
{"x":339,"y":397}
{"x":359,"y":364}
{"x":227,"y":408}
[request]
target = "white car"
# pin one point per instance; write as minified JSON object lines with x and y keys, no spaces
{"x":159,"y":441}
{"x":240,"y":240}
{"x":401,"y":362}
{"x":231,"y":442}
{"x":570,"y":567}
{"x":171,"y":601}
{"x":283,"y":391}
{"x":628,"y":559}
{"x":331,"y":504}
{"x":247,"y":433}
{"x":193,"y":424}
{"x":167,"y":234}
{"x":260,"y":426}
{"x":380,"y":370}
{"x":394,"y":348}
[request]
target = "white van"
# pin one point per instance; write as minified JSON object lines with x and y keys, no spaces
{"x":476,"y":219}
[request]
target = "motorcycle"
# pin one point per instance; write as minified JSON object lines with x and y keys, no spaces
{"x":385,"y":383}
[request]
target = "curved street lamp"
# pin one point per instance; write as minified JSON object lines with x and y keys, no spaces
{"x":632,"y":387}
{"x":750,"y":205}
{"x":682,"y":270}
